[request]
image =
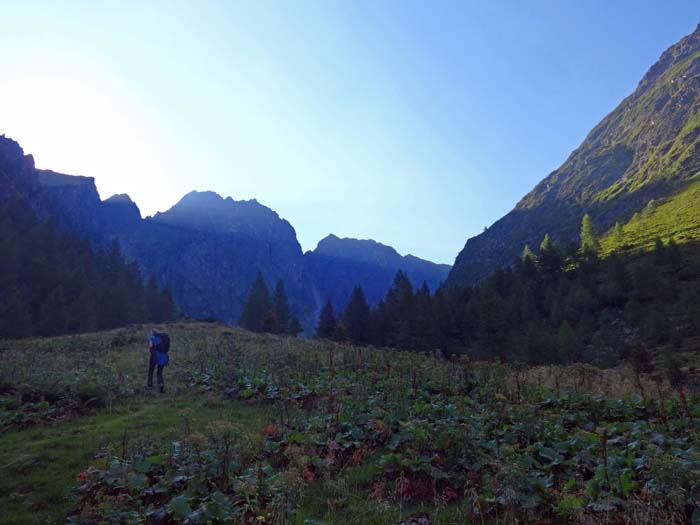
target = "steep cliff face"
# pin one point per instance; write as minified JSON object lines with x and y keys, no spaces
{"x":338,"y":265}
{"x":645,"y":149}
{"x":74,"y":203}
{"x":17,"y":174}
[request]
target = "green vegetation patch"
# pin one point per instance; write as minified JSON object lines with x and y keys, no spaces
{"x":38,"y":466}
{"x":264,"y":429}
{"x":677,"y":218}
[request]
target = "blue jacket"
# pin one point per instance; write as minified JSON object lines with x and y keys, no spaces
{"x":162,"y":358}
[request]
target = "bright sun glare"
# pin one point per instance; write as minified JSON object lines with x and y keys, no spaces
{"x":98,"y":123}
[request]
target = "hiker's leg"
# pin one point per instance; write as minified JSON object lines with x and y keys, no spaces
{"x":151,"y":367}
{"x":160,"y":376}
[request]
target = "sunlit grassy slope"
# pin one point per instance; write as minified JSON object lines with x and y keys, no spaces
{"x":677,"y":218}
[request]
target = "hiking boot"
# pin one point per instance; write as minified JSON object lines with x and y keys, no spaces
{"x":161,"y":389}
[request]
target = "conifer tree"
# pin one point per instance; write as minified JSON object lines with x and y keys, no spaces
{"x":618,"y":236}
{"x":151,"y":293}
{"x":257,"y":306}
{"x":9,"y":258}
{"x":326,"y":328}
{"x":15,"y":314}
{"x":53,"y":318}
{"x":550,"y":260}
{"x":84,"y":310}
{"x":287,"y":322}
{"x":660,"y":253}
{"x":340,"y":334}
{"x":425,"y":336}
{"x":281,"y":307}
{"x":113,"y":262}
{"x":294,"y":326}
{"x":547,"y":244}
{"x":270,"y":323}
{"x":590,"y":245}
{"x":356,"y":317}
{"x":53,"y":282}
{"x":112,"y":305}
{"x":657,"y":328}
{"x":526,"y":266}
{"x":380,"y":324}
{"x":166,"y":305}
{"x":399,"y":311}
{"x":645,"y":279}
{"x":675,"y":255}
{"x":137,"y":308}
{"x":617,"y":282}
{"x":159,"y":303}
{"x":567,"y":342}
{"x":618,"y":273}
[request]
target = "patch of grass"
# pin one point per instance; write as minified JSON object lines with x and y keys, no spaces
{"x":677,"y":218}
{"x":38,"y":465}
{"x":338,"y":503}
{"x":334,"y":434}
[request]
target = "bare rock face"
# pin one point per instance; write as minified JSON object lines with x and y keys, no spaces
{"x":74,"y":204}
{"x":646,"y":148}
{"x":210,"y":250}
{"x":17,"y":175}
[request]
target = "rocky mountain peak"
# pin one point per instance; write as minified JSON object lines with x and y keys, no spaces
{"x":196,"y":199}
{"x":120,"y":198}
{"x":356,"y":249}
{"x":675,"y":54}
{"x":121,"y":211}
{"x":10,"y":150}
{"x":13,"y":159}
{"x":208,"y":209}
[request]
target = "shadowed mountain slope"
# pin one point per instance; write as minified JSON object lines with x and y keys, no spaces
{"x":337,"y":265}
{"x":209,"y":249}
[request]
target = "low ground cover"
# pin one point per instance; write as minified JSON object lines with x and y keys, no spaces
{"x":263,"y":429}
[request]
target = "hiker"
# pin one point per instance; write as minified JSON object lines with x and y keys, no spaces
{"x":159,"y":345}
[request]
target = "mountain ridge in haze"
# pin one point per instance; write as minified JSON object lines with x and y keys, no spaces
{"x":207,"y":248}
{"x":339,"y":264}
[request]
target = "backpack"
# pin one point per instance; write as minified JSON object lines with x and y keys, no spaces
{"x":164,"y":345}
{"x":162,"y":358}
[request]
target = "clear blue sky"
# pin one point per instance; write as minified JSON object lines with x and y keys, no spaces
{"x":413,"y":123}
